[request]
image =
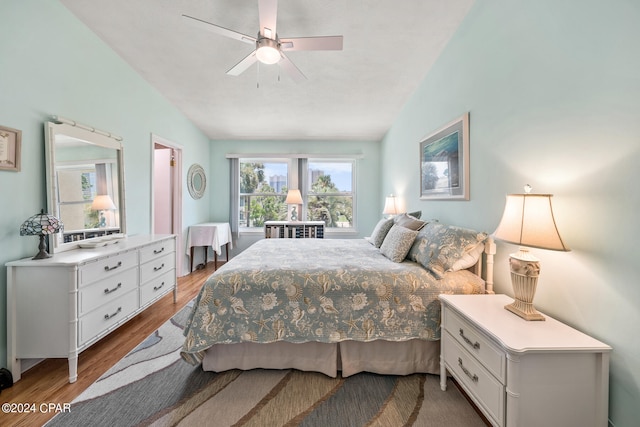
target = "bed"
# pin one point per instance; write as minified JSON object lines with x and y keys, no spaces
{"x":337,"y":305}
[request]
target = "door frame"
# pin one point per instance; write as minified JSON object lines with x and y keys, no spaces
{"x":176,"y":192}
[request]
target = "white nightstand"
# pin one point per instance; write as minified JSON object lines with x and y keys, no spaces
{"x":522,"y":373}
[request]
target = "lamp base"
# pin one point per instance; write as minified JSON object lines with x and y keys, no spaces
{"x":525,"y":269}
{"x":524,"y":310}
{"x":43,"y":254}
{"x":294,"y":214}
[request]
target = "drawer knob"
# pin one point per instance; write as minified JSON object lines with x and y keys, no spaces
{"x":473,"y":377}
{"x":107,"y":268}
{"x":158,"y":268}
{"x":109,"y":316}
{"x":475,"y":345}
{"x":157,"y":288}
{"x":156,"y":252}
{"x":108,"y":291}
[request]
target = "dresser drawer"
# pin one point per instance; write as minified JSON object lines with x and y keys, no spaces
{"x":468,"y":336}
{"x":94,"y":323}
{"x":488,"y":391}
{"x":157,"y":287}
{"x":157,"y":267}
{"x":106,"y":267}
{"x":106,"y":290}
{"x":157,"y":250}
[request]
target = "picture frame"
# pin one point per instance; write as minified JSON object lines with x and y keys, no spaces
{"x":444,"y":162}
{"x":10,"y":140}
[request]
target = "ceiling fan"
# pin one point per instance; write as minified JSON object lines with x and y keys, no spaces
{"x":270,"y":49}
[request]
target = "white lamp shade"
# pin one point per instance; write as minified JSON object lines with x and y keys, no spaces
{"x":528,"y":221}
{"x":294,"y":197}
{"x":102,"y":203}
{"x":390,"y":207}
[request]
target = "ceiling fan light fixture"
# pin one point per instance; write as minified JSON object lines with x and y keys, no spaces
{"x":267,"y":51}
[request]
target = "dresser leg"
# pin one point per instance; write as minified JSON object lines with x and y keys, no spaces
{"x":73,"y":368}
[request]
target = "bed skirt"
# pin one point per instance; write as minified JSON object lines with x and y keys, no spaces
{"x":349,"y":357}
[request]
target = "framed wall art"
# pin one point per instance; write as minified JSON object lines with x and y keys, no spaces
{"x":444,"y":162}
{"x":10,"y":140}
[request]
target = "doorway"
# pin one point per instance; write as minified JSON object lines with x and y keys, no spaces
{"x":166,"y":200}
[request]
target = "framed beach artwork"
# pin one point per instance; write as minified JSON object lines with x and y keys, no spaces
{"x":10,"y":149}
{"x":444,"y":162}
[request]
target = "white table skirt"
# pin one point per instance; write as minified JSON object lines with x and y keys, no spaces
{"x":214,"y":234}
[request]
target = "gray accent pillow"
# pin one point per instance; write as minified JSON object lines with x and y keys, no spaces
{"x":380,"y":232}
{"x":397,"y":243}
{"x":441,"y":248}
{"x":416,"y":214}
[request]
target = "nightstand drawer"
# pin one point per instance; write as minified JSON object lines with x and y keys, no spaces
{"x":477,"y":344}
{"x":487,"y":390}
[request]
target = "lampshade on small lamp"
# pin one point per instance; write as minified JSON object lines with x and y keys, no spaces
{"x":41,"y":224}
{"x":528,"y":221}
{"x":390,"y":207}
{"x":294,"y":198}
{"x":102,"y":203}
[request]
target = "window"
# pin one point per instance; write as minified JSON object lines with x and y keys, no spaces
{"x":327,"y":187}
{"x":330,"y":192}
{"x":263,"y":189}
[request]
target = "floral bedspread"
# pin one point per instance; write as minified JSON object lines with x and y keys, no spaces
{"x":325,"y":290}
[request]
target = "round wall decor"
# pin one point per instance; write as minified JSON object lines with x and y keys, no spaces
{"x":196,"y":181}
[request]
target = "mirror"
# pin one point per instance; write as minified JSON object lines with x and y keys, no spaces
{"x":196,"y":181}
{"x":85,"y":183}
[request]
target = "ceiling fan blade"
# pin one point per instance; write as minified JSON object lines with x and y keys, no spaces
{"x":291,"y":69}
{"x":268,"y":13}
{"x":312,"y":43}
{"x":219,"y":30}
{"x":242,"y":66}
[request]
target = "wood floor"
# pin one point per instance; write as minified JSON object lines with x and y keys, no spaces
{"x":48,"y":382}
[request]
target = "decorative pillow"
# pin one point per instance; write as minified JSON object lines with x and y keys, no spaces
{"x":397,"y":243}
{"x":416,"y":214}
{"x":441,"y":248}
{"x":380,"y":232}
{"x":408,"y":221}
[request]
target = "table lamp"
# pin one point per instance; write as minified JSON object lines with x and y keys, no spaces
{"x":528,"y":221}
{"x":294,"y":198}
{"x":390,"y":207}
{"x":41,"y":224}
{"x":102,"y":203}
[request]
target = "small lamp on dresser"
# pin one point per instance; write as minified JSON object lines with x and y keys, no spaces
{"x":42,"y":225}
{"x":294,"y":198}
{"x":103,"y":203}
{"x":528,"y":221}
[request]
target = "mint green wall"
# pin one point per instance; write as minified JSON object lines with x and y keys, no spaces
{"x":369,"y":203}
{"x":51,"y":64}
{"x":553,"y":91}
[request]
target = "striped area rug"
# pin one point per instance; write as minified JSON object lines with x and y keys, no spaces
{"x":152,"y":386}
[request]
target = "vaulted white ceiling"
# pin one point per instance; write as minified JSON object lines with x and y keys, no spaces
{"x":353,"y":94}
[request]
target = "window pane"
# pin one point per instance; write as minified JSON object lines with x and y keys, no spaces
{"x":330,"y":177}
{"x":263,"y":188}
{"x":335,"y":211}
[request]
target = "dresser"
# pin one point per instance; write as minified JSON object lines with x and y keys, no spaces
{"x":57,"y":307}
{"x":523,"y":373}
{"x":294,"y":229}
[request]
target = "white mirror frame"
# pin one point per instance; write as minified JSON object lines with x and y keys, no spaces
{"x":196,"y":172}
{"x":61,"y":126}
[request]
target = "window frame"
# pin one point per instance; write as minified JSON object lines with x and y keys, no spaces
{"x":297,"y":173}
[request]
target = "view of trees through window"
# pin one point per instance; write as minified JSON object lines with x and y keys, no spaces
{"x":264,"y":186}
